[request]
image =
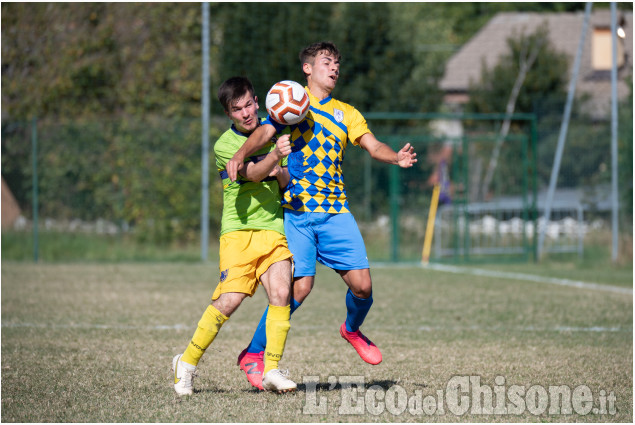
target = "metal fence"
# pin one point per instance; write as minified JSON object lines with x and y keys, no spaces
{"x":142,"y":178}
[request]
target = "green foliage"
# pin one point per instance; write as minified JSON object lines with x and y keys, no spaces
{"x":395,"y":74}
{"x":543,"y":93}
{"x":545,"y":81}
{"x":117,"y":87}
{"x":625,"y":155}
{"x":78,"y":59}
{"x":143,"y":172}
{"x":380,"y":63}
{"x":265,"y":49}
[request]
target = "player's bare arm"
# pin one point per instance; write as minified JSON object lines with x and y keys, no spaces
{"x":405,"y":158}
{"x":255,"y":141}
{"x":282,"y":173}
{"x":269,"y":165}
{"x":283,"y":176}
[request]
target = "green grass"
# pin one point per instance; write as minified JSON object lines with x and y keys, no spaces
{"x":79,"y":247}
{"x":94,"y":343}
{"x":598,"y":272}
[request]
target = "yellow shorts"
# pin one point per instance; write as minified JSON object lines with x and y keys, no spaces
{"x":245,"y":255}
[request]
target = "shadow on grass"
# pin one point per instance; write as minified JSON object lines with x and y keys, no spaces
{"x":326,"y":386}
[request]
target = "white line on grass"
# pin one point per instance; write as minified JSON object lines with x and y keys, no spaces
{"x":92,"y":326}
{"x":425,"y":328}
{"x":527,"y":277}
{"x":601,"y":329}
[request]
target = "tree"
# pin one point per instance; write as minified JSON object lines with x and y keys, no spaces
{"x":530,"y":48}
{"x":72,"y":60}
{"x":531,"y":73}
{"x":117,"y":87}
{"x":625,"y":155}
{"x":544,"y":82}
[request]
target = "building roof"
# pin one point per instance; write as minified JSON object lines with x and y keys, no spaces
{"x":490,"y":43}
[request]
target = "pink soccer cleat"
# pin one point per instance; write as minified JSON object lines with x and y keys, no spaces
{"x":253,"y":365}
{"x":364,"y":346}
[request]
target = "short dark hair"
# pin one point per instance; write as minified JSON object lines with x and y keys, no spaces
{"x":233,"y":89}
{"x":309,"y":53}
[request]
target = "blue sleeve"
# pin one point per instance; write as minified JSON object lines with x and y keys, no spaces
{"x":279,"y":127}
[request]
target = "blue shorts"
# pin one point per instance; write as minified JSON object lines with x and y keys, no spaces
{"x":332,"y":239}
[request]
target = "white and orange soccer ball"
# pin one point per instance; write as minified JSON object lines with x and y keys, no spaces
{"x":287,"y":102}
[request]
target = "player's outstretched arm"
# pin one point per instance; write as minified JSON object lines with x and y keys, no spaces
{"x":405,"y":158}
{"x":269,"y":164}
{"x":255,"y":141}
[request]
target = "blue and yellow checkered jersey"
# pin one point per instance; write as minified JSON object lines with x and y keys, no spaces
{"x":318,"y":144}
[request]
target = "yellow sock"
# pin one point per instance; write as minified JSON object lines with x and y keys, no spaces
{"x":208,"y":328}
{"x":277,"y":329}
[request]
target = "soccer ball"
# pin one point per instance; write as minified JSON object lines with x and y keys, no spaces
{"x":287,"y":102}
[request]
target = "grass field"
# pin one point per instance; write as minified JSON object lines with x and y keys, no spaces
{"x":94,"y":343}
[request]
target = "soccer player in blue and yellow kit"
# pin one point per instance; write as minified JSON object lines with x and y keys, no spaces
{"x":318,"y":223}
{"x":253,"y":248}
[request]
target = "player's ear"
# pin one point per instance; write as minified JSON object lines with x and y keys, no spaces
{"x":306,"y":68}
{"x":256,"y":102}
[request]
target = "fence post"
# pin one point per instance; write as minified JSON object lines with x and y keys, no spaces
{"x":205,"y":136}
{"x":614,"y":190}
{"x":368,"y":189}
{"x":564,"y":128}
{"x":35,"y":189}
{"x":534,"y":185}
{"x":580,"y":231}
{"x":394,"y":207}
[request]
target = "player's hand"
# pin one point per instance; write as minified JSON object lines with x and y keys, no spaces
{"x":283,"y":146}
{"x":276,"y":170}
{"x":233,"y":166}
{"x":407,"y":156}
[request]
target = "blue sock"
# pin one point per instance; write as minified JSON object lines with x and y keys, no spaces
{"x":357,"y":309}
{"x":259,"y":340}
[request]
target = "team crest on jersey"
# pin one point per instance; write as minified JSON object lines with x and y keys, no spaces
{"x":339,"y":115}
{"x":223,"y":275}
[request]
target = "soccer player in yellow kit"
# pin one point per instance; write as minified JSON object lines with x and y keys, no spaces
{"x":253,"y":248}
{"x":317,"y":220}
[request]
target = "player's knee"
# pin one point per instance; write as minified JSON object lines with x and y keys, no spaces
{"x":363,"y":291}
{"x":365,"y":294}
{"x":300,"y":294}
{"x":301,"y":289}
{"x":280,"y":295}
{"x":228,"y":302}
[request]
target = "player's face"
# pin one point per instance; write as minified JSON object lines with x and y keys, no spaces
{"x":244,"y":113}
{"x":325,"y":70}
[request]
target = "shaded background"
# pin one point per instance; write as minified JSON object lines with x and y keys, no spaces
{"x":112,"y":92}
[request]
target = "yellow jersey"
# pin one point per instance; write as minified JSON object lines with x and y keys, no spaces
{"x":318,"y":144}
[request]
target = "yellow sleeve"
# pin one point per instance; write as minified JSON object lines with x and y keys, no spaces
{"x":357,"y":126}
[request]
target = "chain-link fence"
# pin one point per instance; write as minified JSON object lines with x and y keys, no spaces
{"x":142,"y":178}
{"x":129,"y":175}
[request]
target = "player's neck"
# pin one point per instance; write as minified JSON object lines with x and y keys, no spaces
{"x":318,"y":92}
